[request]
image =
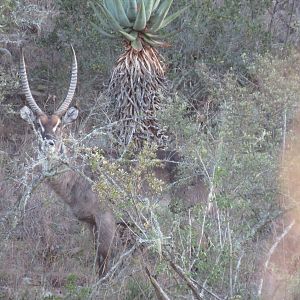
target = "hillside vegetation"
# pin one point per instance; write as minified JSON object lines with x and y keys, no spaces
{"x":206,"y":196}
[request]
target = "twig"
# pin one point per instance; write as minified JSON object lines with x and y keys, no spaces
{"x":237,"y":271}
{"x":190,"y":283}
{"x":284,"y":133}
{"x":278,"y":240}
{"x":28,"y":192}
{"x":115,"y":266}
{"x":272,"y":17}
{"x":289,"y":24}
{"x":160,"y":293}
{"x":230,"y":258}
{"x":20,"y":207}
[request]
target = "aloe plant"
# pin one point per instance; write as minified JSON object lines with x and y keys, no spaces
{"x":137,"y":21}
{"x":138,"y":78}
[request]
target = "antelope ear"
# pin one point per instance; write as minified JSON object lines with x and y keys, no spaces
{"x":70,"y":116}
{"x":27,"y":114}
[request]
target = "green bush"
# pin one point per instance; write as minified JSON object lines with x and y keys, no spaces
{"x":236,"y":147}
{"x":6,"y":8}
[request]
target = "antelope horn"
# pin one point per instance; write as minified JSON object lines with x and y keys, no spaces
{"x":64,"y":106}
{"x":25,"y":86}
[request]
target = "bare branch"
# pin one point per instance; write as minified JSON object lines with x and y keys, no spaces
{"x":271,"y":251}
{"x":20,"y":207}
{"x":113,"y":269}
{"x":160,"y":293}
{"x":189,"y":282}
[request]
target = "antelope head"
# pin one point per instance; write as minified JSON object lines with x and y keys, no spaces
{"x":49,"y":126}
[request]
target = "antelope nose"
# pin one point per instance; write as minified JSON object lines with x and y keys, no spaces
{"x":50,"y":142}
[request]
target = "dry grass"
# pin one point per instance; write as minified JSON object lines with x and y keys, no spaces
{"x":42,"y":251}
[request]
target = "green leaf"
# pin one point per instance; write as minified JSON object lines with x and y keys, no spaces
{"x":100,"y":30}
{"x":137,"y":45}
{"x":171,"y":18}
{"x":159,"y":37}
{"x":156,"y":3}
{"x":131,"y":11}
{"x":130,"y":36}
{"x":114,"y":23}
{"x":141,"y":20}
{"x":151,"y":35}
{"x":96,"y":12}
{"x":99,"y":17}
{"x":122,"y":17}
{"x":148,"y":8}
{"x":111,"y":7}
{"x":162,"y":12}
{"x":154,"y":43}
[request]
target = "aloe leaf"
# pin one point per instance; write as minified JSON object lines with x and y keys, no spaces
{"x":130,"y":36}
{"x":100,"y":17}
{"x":100,"y":30}
{"x":151,"y":35}
{"x":155,"y":5}
{"x":122,"y":17}
{"x":141,"y":21}
{"x":114,"y":23}
{"x":96,"y":12}
{"x":162,"y":12}
{"x":131,"y":11}
{"x":148,"y":8}
{"x":134,"y":33}
{"x":159,"y":37}
{"x":153,"y":42}
{"x":137,"y":45}
{"x":128,"y":30}
{"x":111,"y":7}
{"x":171,"y":18}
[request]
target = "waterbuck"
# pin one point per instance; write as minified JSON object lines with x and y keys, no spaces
{"x":70,"y":186}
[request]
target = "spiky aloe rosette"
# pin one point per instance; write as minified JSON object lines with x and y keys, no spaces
{"x":138,"y":80}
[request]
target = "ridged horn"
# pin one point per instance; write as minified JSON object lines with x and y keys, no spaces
{"x":64,"y":106}
{"x":26,"y":89}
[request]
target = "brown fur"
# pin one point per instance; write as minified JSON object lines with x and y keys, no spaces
{"x":75,"y":191}
{"x":70,"y":186}
{"x":49,"y":121}
{"x":184,"y":195}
